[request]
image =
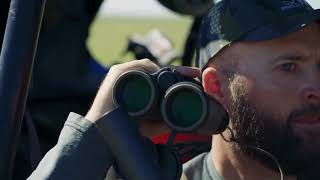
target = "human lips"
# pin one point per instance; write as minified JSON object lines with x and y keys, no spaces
{"x":307,"y":129}
{"x":307,"y":125}
{"x":308,"y":120}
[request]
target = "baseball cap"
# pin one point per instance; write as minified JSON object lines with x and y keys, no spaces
{"x":250,"y":20}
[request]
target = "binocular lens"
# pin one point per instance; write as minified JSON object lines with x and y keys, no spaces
{"x":184,"y":107}
{"x":134,"y":93}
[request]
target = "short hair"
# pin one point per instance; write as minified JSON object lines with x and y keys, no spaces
{"x":224,"y":61}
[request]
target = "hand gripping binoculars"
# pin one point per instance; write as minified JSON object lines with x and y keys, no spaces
{"x":168,"y":95}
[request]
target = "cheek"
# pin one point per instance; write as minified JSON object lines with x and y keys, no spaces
{"x":272,"y":97}
{"x":266,"y":95}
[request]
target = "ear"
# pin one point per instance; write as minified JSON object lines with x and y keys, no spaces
{"x":211,"y":84}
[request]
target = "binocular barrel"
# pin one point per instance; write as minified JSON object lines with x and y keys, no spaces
{"x":167,"y":95}
{"x":136,"y":92}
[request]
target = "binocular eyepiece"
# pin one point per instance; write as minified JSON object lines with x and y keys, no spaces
{"x":167,"y":95}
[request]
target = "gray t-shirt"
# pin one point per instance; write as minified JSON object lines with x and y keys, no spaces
{"x":201,"y":167}
{"x":82,"y":154}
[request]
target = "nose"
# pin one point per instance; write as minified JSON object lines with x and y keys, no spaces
{"x":311,"y":95}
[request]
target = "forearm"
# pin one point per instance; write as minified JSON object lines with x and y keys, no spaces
{"x":81,"y":153}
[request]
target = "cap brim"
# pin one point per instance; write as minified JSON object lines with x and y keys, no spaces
{"x":271,"y":31}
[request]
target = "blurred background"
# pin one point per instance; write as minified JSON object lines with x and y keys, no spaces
{"x":118,"y":19}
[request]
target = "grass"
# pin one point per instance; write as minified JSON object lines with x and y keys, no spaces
{"x":109,"y":36}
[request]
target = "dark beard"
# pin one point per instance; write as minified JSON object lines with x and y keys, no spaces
{"x":255,"y":128}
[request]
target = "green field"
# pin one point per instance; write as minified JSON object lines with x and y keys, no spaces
{"x":109,"y":36}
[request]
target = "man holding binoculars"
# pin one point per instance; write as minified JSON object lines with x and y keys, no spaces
{"x":260,"y":59}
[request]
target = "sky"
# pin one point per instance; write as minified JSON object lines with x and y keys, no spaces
{"x":148,"y":8}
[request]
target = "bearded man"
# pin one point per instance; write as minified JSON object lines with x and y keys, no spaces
{"x":261,"y":60}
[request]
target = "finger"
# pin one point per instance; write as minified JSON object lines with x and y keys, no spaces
{"x":144,"y":64}
{"x":189,"y":71}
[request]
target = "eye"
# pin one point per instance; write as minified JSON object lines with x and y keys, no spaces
{"x":288,"y":67}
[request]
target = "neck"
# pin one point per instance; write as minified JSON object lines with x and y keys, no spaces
{"x":232,"y":164}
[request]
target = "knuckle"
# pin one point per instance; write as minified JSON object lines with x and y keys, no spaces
{"x":146,"y":60}
{"x":114,"y":67}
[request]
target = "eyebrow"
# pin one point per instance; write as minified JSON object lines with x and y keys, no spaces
{"x":291,"y":57}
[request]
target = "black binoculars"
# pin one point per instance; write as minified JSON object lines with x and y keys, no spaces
{"x":168,"y":95}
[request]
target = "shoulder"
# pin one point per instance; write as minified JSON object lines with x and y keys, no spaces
{"x":194,"y":168}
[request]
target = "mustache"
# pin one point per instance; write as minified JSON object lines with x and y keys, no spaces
{"x":311,"y":110}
